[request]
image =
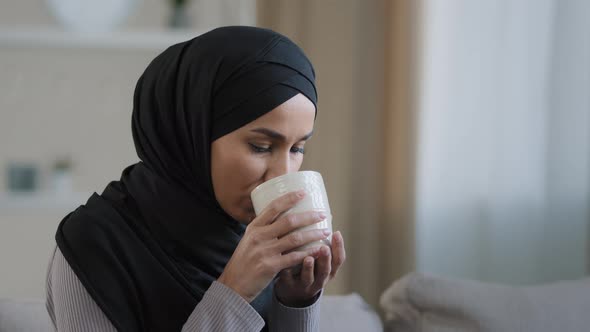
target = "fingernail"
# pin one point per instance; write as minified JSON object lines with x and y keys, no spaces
{"x":321,"y":216}
{"x":326,"y":231}
{"x":300,"y":193}
{"x":325,"y":251}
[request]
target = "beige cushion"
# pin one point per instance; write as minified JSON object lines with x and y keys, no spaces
{"x":427,"y":304}
{"x":24,"y":316}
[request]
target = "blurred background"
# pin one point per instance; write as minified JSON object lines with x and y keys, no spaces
{"x":453,"y":135}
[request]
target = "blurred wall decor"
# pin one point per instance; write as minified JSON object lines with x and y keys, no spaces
{"x":91,"y":16}
{"x":21,"y":177}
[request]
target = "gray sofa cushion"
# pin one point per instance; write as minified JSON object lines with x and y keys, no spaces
{"x":24,"y":316}
{"x":339,"y":313}
{"x":348,"y":313}
{"x":427,"y":304}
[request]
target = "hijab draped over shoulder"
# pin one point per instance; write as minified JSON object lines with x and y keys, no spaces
{"x":151,"y":244}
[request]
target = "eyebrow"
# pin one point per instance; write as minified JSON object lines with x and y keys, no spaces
{"x":278,"y":136}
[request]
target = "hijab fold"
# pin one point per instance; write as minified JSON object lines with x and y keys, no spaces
{"x":149,"y":247}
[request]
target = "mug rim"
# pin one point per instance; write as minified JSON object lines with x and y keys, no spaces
{"x":280,"y":178}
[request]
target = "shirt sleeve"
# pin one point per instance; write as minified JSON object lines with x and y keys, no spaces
{"x":71,"y":307}
{"x":69,"y":304}
{"x":222,"y":309}
{"x":288,"y":319}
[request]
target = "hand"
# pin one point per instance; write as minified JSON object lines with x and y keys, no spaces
{"x":266,"y":247}
{"x":295,"y":289}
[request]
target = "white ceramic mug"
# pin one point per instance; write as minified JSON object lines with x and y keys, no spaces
{"x":316,"y":198}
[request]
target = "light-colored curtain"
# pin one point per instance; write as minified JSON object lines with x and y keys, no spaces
{"x":503,"y":159}
{"x":363,"y":55}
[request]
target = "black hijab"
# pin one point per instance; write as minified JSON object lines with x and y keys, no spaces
{"x":149,"y":247}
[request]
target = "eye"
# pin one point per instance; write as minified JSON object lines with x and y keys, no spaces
{"x":259,"y":149}
{"x":296,"y":149}
{"x":262,"y":149}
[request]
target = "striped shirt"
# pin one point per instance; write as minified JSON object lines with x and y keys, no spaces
{"x":71,"y":308}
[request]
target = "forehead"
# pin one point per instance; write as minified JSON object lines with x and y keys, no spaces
{"x":296,"y":116}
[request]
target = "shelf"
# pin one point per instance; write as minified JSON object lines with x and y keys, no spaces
{"x":25,"y":203}
{"x":40,"y":37}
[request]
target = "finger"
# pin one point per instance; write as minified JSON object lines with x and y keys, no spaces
{"x":294,"y":258}
{"x":307,"y":273}
{"x":298,"y":239}
{"x":288,"y":223}
{"x":323,"y":267}
{"x":286,"y":275}
{"x":338,"y":253}
{"x":277,"y":207}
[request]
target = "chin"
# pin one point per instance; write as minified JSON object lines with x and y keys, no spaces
{"x":245,"y":215}
{"x":246,"y":212}
{"x":240,"y":210}
{"x":250,"y":215}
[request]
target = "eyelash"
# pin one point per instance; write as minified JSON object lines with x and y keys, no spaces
{"x":258,"y":149}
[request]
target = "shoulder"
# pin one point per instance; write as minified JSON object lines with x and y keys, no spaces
{"x":69,"y":304}
{"x":60,"y":277}
{"x":92,"y":228}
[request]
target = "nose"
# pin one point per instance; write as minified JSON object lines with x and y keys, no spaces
{"x":281,"y":164}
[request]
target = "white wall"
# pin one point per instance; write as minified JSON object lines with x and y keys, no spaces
{"x":76,"y":101}
{"x":55,"y":102}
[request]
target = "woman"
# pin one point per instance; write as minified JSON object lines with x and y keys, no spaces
{"x":175,"y":244}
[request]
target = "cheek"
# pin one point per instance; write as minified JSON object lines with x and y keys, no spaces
{"x":238,"y":172}
{"x":245,"y":170}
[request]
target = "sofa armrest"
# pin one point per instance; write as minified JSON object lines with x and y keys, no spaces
{"x":427,"y":303}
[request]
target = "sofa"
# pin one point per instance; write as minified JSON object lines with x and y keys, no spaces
{"x":415,"y":303}
{"x":425,"y":303}
{"x":339,"y":313}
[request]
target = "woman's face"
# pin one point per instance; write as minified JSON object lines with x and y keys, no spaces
{"x":265,"y":148}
